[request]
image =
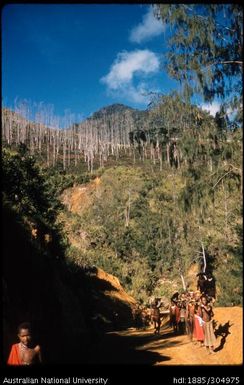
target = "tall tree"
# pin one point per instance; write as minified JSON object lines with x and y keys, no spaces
{"x":205,"y":48}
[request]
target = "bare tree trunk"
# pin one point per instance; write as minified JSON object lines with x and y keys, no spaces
{"x":54,"y":149}
{"x":210,"y":164}
{"x":183,"y":282}
{"x":48,"y":150}
{"x":64,"y":152}
{"x":168,"y":152}
{"x":204,"y":258}
{"x":160,"y":161}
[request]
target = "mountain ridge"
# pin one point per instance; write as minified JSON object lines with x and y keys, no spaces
{"x":112,"y":108}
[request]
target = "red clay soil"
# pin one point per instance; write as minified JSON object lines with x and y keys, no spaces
{"x":79,"y":198}
{"x":228,"y":349}
{"x":118,"y":292}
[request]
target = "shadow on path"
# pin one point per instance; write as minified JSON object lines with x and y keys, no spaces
{"x":129,"y":349}
{"x":223,"y":331}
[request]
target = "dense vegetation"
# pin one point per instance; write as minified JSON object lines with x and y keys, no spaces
{"x":205,"y":50}
{"x":147,"y":226}
{"x":177,"y":189}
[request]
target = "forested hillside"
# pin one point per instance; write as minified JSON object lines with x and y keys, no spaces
{"x":148,"y":226}
{"x":92,"y":140}
{"x":169,"y":191}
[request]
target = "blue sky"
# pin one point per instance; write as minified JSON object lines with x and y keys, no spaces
{"x":82,"y":57}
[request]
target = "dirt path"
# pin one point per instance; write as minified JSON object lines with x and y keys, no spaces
{"x":143,"y":347}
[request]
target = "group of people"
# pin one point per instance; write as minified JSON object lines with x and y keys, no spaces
{"x":191,"y":313}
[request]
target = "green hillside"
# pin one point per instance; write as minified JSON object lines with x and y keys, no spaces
{"x":171,"y":191}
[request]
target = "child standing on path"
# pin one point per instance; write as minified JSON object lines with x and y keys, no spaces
{"x":207,"y":316}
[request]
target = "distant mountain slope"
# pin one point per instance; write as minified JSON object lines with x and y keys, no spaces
{"x":112,"y":109}
{"x":105,"y":133}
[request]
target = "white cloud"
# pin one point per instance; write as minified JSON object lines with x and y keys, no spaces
{"x":211,"y":108}
{"x":121,"y":77}
{"x":136,"y":94}
{"x":149,"y":27}
{"x":127,"y":64}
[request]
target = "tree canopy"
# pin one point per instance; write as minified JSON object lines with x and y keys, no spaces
{"x":205,"y":48}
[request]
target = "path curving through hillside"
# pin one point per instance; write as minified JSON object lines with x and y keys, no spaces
{"x":138,"y":346}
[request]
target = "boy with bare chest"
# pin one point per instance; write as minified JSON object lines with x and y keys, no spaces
{"x":207,"y":316}
{"x":24,"y":352}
